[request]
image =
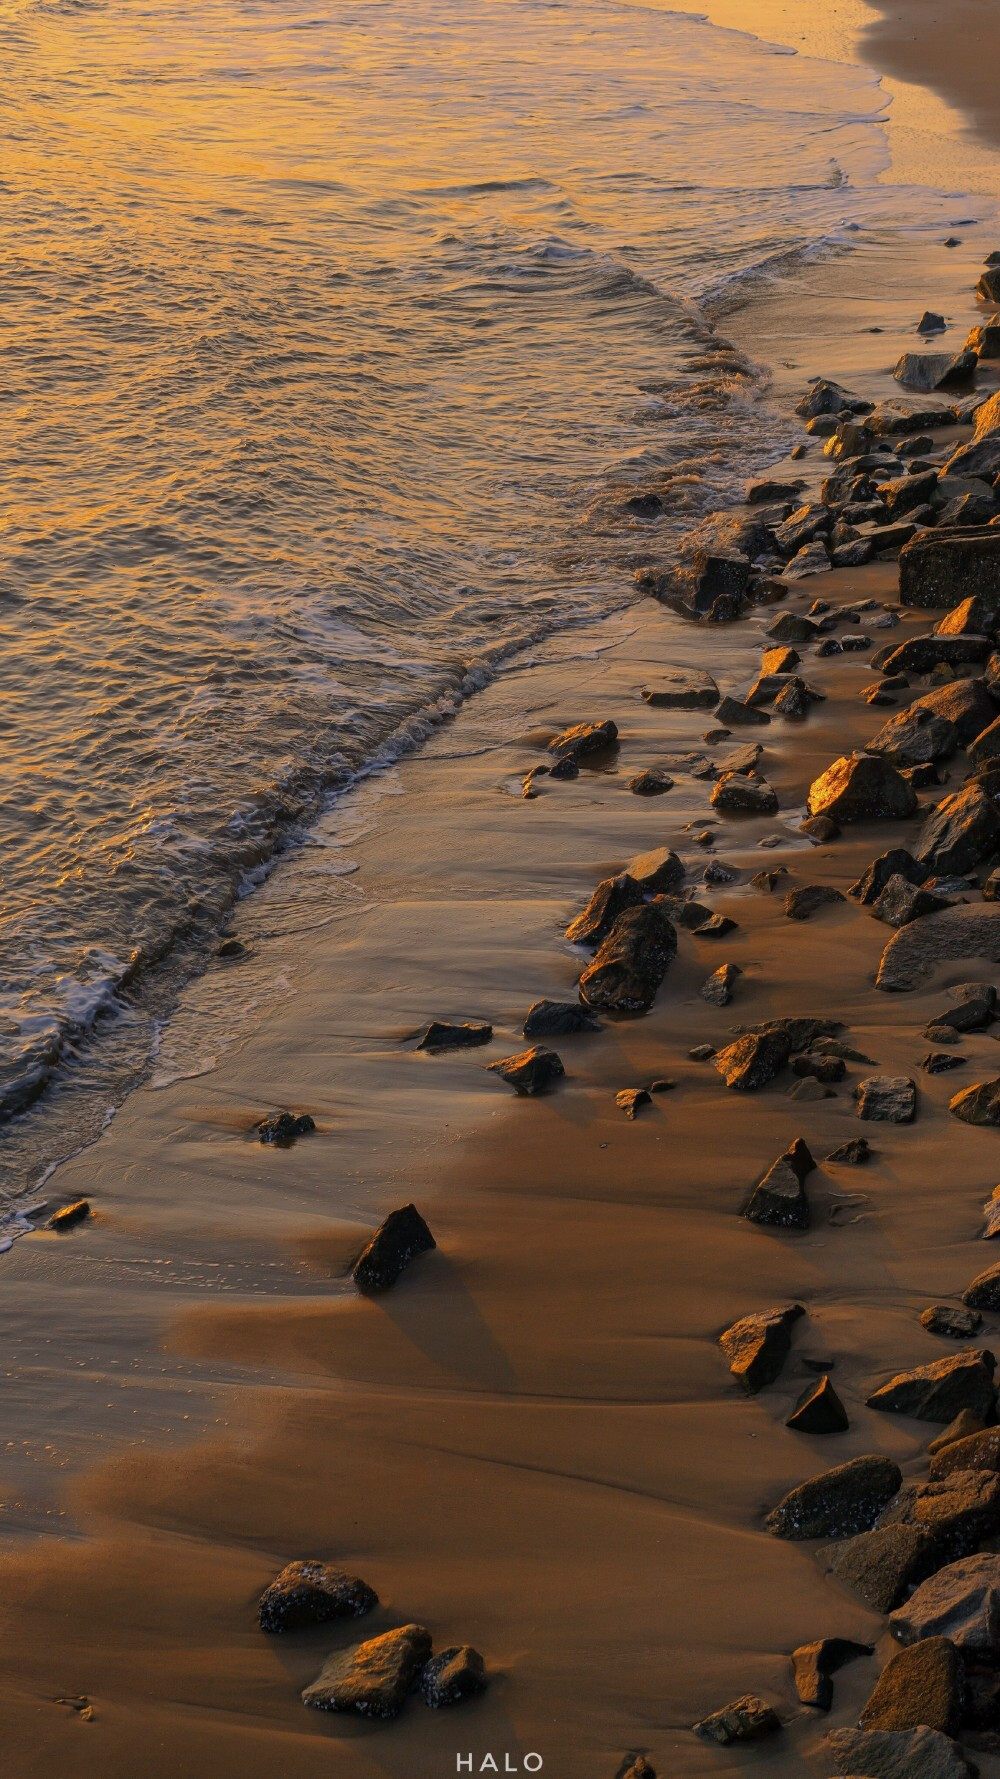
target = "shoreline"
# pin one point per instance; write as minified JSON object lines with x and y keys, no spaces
{"x":556,"y":1489}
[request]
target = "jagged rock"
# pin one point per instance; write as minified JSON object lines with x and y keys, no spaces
{"x":780,"y":660}
{"x":963,"y":831}
{"x":452,"y":1676}
{"x":737,"y":794}
{"x":984,"y":339}
{"x":984,"y":1292}
{"x":897,"y":1754}
{"x":631,"y":963}
{"x":779,"y":1200}
{"x":969,"y":509}
{"x":864,"y":787}
{"x":801,"y":904}
{"x":611,"y":897}
{"x":656,"y":872}
{"x":979,"y":1104}
{"x":959,"y":1510}
{"x":954,"y":1324}
{"x":927,"y":371}
{"x":813,"y":558}
{"x":931,"y":323}
{"x":396,"y":1242}
{"x":374,"y":1678}
{"x":966,"y":703}
{"x":914,"y":736}
{"x":819,"y":1410}
{"x":283,"y":1129}
{"x":799,"y":1034}
{"x":801,"y":527}
{"x":566,"y":768}
{"x":965,"y":930}
{"x":718,"y":990}
{"x":977,"y":1449}
{"x":902,"y":902}
{"x":923,"y":1684}
{"x":310,"y":1593}
{"x":794,"y":698}
{"x":583,"y":739}
{"x":985,"y":749}
{"x":941,"y":568}
{"x":715,"y":927}
{"x":882,"y":1565}
{"x":975,"y":1009}
{"x":827,"y":397}
{"x":961,"y":1602}
{"x":888,"y":1099}
{"x":814,"y":1663}
{"x":745,"y":1720}
{"x":841,"y":1502}
{"x":752,"y":1061}
{"x":531,"y":1071}
{"x":757,"y":1346}
{"x":895,"y":863}
{"x":443,"y":1034}
{"x":630,"y":1099}
{"x":853,"y":1153}
{"x":732,"y":713}
{"x":937,"y":1392}
{"x":682,"y":688}
{"x":970,"y":617}
{"x":853,"y":554}
{"x":903,"y":493}
{"x":651,"y":783}
{"x":809,"y":1088}
{"x":558,"y":1019}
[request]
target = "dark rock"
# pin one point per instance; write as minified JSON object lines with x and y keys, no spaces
{"x":915,"y":736}
{"x":310,"y":1593}
{"x":690,"y":915}
{"x":902,"y":902}
{"x":444,"y":1034}
{"x":942,"y":568}
{"x":923,"y":1684}
{"x":284,"y":1128}
{"x":778,"y":1200}
{"x":938,"y":1391}
{"x":745,"y":1720}
{"x":801,"y":904}
{"x":924,"y":654}
{"x":583,"y":739}
{"x":897,"y":862}
{"x":452,"y":1676}
{"x":732,"y":713}
{"x":68,"y":1216}
{"x":854,"y":1153}
{"x":975,"y":1009}
{"x":897,"y":1754}
{"x":711,"y":576}
{"x":960,"y":1602}
{"x":826,"y":397}
{"x":609,"y":900}
{"x":963,"y":831}
{"x":887,"y":1099}
{"x":650,"y":783}
{"x":737,"y":794}
{"x":718,"y":873}
{"x":962,"y":1427}
{"x":978,"y":1105}
{"x":752,"y":1061}
{"x":396,"y":1242}
{"x":767,"y":881}
{"x":231,"y":948}
{"x":630,"y":1099}
{"x":375,"y":1678}
{"x":558,"y":1019}
{"x":798,"y":1034}
{"x":977,"y":460}
{"x":716,"y":927}
{"x":813,"y":558}
{"x":965,"y":703}
{"x":864,"y":787}
{"x":566,"y":768}
{"x":839,"y":1503}
{"x":984,"y":1292}
{"x":656,"y":871}
{"x":969,"y":509}
{"x":631,"y":962}
{"x":682,"y":688}
{"x":931,"y":323}
{"x":892,"y":418}
{"x":819,"y":1410}
{"x":991,"y":888}
{"x":939,"y":1063}
{"x":853,"y":554}
{"x":701,"y":1052}
{"x":984,"y":340}
{"x":964,"y":930}
{"x":814,"y":1663}
{"x":827,"y":1069}
{"x":959,"y":1510}
{"x":805,"y":524}
{"x":763,"y":490}
{"x":882,"y":1565}
{"x":637,"y":1769}
{"x":790,"y":627}
{"x":758,"y":1345}
{"x":927,"y":371}
{"x":718,"y":989}
{"x":904,"y":493}
{"x":531,"y":1071}
{"x":986,"y":747}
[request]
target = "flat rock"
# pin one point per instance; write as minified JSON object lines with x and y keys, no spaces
{"x":558,"y":1019}
{"x":444,"y":1034}
{"x":887,"y":1099}
{"x":839,"y":1503}
{"x":736,"y":794}
{"x":631,"y":962}
{"x":813,"y":1664}
{"x":961,"y":1602}
{"x":452,"y":1676}
{"x":937,"y":1392}
{"x":922,"y":654}
{"x":583,"y":739}
{"x":863,"y":787}
{"x":752,"y":1061}
{"x":882,"y":1565}
{"x":890,"y":418}
{"x":758,"y":1345}
{"x":682,"y":688}
{"x":374,"y":1678}
{"x":611,"y":897}
{"x":897,"y":1754}
{"x":745,"y":1720}
{"x":311,"y":1593}
{"x":778,"y":1200}
{"x":966,"y":930}
{"x":922,"y":1684}
{"x":803,"y":903}
{"x":531,"y":1071}
{"x":396,"y":1242}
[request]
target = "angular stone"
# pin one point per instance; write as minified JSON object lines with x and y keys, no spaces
{"x":682,"y":688}
{"x":736,"y":794}
{"x":752,"y":1061}
{"x":285,"y":1128}
{"x":531,"y":1071}
{"x":984,"y":1292}
{"x":923,"y":654}
{"x":801,"y":904}
{"x":927,"y":371}
{"x":651,"y":783}
{"x":373,"y":1679}
{"x":827,"y":397}
{"x":611,"y":897}
{"x":396,"y":1242}
{"x":839,"y":1503}
{"x":923,"y":1684}
{"x":937,"y":1392}
{"x":819,"y":1410}
{"x":979,"y":1104}
{"x":963,"y":831}
{"x":897,"y":862}
{"x":780,"y":660}
{"x":971,"y":617}
{"x":914,"y":736}
{"x":758,"y":1345}
{"x":979,"y":458}
{"x":961,"y":1602}
{"x":631,"y":963}
{"x":558,"y":1019}
{"x":583,"y":739}
{"x":893,"y":417}
{"x":715,"y":927}
{"x":790,"y":627}
{"x":854,"y":1153}
{"x":779,"y":1200}
{"x":745,"y":1720}
{"x":630,"y":1099}
{"x":966,"y":930}
{"x":902,"y":902}
{"x":657,"y":871}
{"x":821,"y":828}
{"x":764,"y":489}
{"x":452,"y":1676}
{"x":985,"y":749}
{"x":798,"y":1034}
{"x":897,"y":1754}
{"x":952,"y":1324}
{"x":959,"y":1510}
{"x":814,"y":1663}
{"x":310,"y":1593}
{"x":718,"y":990}
{"x":444,"y":1034}
{"x":887,"y":1099}
{"x":882,"y":1565}
{"x":864,"y":787}
{"x":939,"y":569}
{"x":828,"y":1069}
{"x":733,"y":713}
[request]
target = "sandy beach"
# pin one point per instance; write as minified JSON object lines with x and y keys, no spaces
{"x":532,"y":1444}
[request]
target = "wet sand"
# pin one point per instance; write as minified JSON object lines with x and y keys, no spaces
{"x":532,"y":1443}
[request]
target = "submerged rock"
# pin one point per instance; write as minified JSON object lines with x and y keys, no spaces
{"x":396,"y":1242}
{"x":311,"y":1593}
{"x":653,"y":782}
{"x":745,"y":1720}
{"x":682,"y":688}
{"x":284,"y":1128}
{"x":758,"y":1345}
{"x":631,"y":963}
{"x":452,"y":1676}
{"x":864,"y":787}
{"x":843,"y":1501}
{"x":375,"y":1678}
{"x":444,"y":1034}
{"x":531,"y":1071}
{"x":733,"y":713}
{"x":937,"y":1392}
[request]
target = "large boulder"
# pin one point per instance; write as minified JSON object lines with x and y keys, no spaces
{"x":938,"y":569}
{"x":914,"y":736}
{"x":758,"y":1345}
{"x":897,"y":1754}
{"x":979,"y":459}
{"x":897,"y":862}
{"x":961,"y":833}
{"x":631,"y":962}
{"x":939,"y":1391}
{"x":882,"y":1565}
{"x":374,"y":1679}
{"x":838,"y":1504}
{"x":923,"y":1683}
{"x":985,"y":749}
{"x":965,"y":703}
{"x":921,"y":654}
{"x":863,"y":787}
{"x":966,"y":930}
{"x":961,"y":1602}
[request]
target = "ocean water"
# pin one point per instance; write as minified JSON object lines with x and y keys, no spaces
{"x":336,"y":340}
